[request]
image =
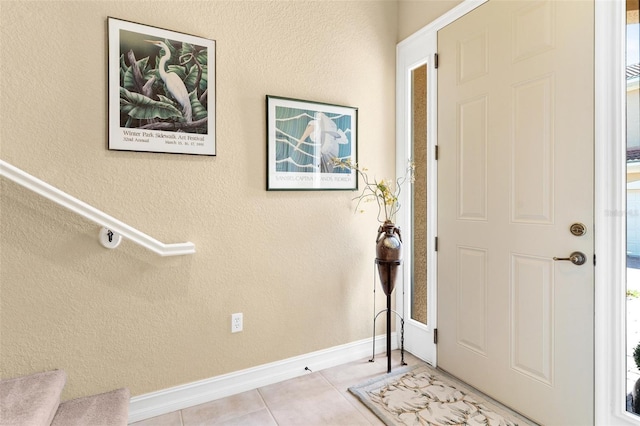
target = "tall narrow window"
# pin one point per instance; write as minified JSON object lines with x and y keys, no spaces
{"x":419,"y":155}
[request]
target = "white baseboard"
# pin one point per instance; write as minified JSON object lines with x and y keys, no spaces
{"x":172,"y":399}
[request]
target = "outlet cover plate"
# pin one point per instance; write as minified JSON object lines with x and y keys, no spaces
{"x":236,"y":322}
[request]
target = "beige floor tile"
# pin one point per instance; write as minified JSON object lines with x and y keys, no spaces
{"x":323,"y":412}
{"x":310,"y":400}
{"x":223,"y":410}
{"x":257,"y":418}
{"x":170,"y":419}
{"x":302,"y":387}
{"x":362,"y":409}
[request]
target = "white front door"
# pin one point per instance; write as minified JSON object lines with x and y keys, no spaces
{"x":515,"y":171}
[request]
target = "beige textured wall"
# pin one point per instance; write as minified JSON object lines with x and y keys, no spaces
{"x":415,"y":14}
{"x":297,"y":264}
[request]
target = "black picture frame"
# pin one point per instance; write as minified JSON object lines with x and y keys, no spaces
{"x":162,"y":90}
{"x":303,"y":139}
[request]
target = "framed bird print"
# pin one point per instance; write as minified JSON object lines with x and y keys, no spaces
{"x":307,"y":141}
{"x":162,"y":90}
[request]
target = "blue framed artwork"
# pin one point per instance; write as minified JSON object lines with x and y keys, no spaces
{"x":304,"y":139}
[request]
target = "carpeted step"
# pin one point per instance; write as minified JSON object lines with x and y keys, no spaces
{"x":31,"y":400}
{"x":105,"y":409}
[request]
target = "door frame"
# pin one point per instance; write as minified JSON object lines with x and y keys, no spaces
{"x":412,"y":52}
{"x":609,"y":197}
{"x":415,"y":53}
{"x":610,"y":215}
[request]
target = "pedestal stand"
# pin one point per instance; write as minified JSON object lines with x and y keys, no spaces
{"x":396,"y":263}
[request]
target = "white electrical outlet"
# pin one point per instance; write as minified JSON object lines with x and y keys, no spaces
{"x":236,"y":322}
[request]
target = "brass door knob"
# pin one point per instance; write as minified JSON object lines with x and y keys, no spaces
{"x":577,"y":258}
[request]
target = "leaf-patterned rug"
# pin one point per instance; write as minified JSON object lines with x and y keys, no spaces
{"x":421,"y":395}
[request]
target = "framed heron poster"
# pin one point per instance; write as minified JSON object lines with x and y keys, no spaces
{"x":162,"y":90}
{"x":305,"y":140}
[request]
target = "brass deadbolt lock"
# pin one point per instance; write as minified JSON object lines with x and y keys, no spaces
{"x":578,"y":229}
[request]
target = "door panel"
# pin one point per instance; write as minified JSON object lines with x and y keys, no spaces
{"x":472,"y":299}
{"x":515,"y":170}
{"x":532,"y":316}
{"x":472,"y":159}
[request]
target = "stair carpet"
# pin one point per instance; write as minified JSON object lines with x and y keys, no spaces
{"x":34,"y":400}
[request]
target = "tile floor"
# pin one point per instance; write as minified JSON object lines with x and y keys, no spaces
{"x":318,"y":398}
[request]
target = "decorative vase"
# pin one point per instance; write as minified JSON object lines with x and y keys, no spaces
{"x":388,"y":255}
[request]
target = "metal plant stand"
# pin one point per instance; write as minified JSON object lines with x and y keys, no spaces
{"x":388,"y":310}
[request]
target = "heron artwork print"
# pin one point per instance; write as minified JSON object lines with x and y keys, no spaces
{"x":161,"y":90}
{"x":304,"y":141}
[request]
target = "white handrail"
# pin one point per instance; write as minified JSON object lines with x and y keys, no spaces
{"x":112,"y":226}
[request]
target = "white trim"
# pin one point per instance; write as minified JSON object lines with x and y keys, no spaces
{"x":168,"y":400}
{"x":83,"y":209}
{"x":409,"y":56}
{"x":610,"y":217}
